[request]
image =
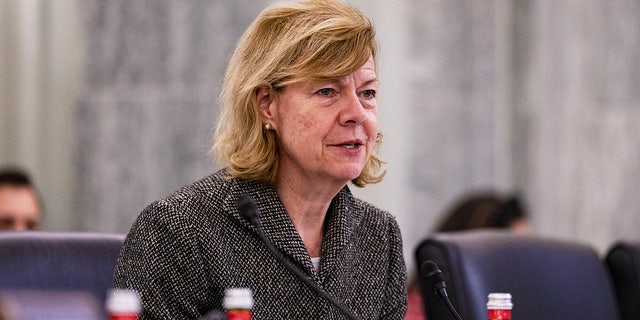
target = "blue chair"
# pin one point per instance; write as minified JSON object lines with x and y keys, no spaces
{"x":59,"y":261}
{"x":50,"y":305}
{"x":548,"y":279}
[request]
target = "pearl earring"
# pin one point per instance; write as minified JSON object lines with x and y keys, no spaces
{"x":267,"y":126}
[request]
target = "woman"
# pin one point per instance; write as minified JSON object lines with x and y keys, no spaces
{"x":298,"y":122}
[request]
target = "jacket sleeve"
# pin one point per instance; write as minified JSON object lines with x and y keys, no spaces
{"x":396,"y":293}
{"x":160,"y":260}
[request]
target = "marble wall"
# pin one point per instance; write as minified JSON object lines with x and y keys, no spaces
{"x":576,"y":96}
{"x":537,"y":97}
{"x":149,"y":102}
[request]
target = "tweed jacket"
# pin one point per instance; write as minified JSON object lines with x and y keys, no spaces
{"x":183,"y":252}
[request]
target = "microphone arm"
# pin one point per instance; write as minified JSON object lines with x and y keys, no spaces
{"x":249,"y":210}
{"x":435,"y":280}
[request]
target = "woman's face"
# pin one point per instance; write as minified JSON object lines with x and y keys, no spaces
{"x":326,"y":130}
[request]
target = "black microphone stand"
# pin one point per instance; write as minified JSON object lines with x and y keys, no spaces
{"x":249,"y":210}
{"x":435,"y":280}
{"x":303,"y":276}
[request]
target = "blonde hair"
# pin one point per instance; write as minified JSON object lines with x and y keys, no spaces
{"x":287,"y":43}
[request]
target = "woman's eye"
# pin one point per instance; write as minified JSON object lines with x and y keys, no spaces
{"x":369,"y":93}
{"x":325,"y":91}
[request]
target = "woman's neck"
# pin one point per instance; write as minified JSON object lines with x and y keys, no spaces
{"x":307,"y":207}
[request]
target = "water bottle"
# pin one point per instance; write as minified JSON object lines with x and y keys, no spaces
{"x":238,"y":303}
{"x":123,"y":304}
{"x":499,"y":306}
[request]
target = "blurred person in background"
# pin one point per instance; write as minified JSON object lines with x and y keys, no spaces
{"x":19,"y":205}
{"x":487,"y":210}
{"x":480,"y":210}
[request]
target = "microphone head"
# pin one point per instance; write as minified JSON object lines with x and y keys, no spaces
{"x":432,"y":275}
{"x":248,"y":208}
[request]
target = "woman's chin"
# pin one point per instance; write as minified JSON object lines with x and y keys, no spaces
{"x":348,"y":174}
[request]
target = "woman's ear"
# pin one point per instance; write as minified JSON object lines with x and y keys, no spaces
{"x":265,"y":99}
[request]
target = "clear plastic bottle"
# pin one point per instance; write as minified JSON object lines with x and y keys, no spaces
{"x":499,"y":306}
{"x":123,"y":304}
{"x":238,"y":303}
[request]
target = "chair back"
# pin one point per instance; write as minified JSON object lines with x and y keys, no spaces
{"x":548,"y":279}
{"x":59,"y":261}
{"x":49,"y":305}
{"x":623,"y":262}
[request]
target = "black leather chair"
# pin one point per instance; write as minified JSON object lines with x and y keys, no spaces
{"x":623,"y":262}
{"x":59,"y":261}
{"x":548,"y":279}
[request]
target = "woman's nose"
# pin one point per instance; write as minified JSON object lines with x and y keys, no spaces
{"x":353,"y":111}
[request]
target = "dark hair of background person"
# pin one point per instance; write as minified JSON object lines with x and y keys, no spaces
{"x":484,"y":210}
{"x":14,"y":176}
{"x":18,"y":177}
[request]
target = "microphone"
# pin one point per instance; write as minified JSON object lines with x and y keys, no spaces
{"x":435,"y":280}
{"x":249,"y":210}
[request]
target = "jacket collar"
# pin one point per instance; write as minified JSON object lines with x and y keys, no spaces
{"x":341,"y":222}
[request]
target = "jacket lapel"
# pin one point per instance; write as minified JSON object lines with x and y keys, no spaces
{"x":275,"y":221}
{"x":342,"y":222}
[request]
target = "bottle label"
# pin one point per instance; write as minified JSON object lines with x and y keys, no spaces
{"x":499,"y":314}
{"x":239,"y":314}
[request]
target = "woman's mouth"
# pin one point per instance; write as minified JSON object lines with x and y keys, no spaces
{"x":351,"y":145}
